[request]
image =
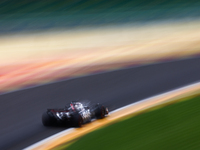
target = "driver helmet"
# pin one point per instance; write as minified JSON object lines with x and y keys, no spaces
{"x":78,"y":106}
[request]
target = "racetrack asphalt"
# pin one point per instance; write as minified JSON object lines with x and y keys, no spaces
{"x":21,"y":111}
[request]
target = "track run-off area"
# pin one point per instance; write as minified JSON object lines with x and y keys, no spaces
{"x":145,"y":62}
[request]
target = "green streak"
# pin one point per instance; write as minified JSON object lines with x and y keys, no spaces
{"x":23,"y":15}
{"x":174,"y":127}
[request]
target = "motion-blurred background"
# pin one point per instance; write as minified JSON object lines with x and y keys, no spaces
{"x":43,"y":41}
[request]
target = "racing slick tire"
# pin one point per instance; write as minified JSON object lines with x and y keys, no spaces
{"x":76,"y":120}
{"x":48,"y":120}
{"x":100,"y":111}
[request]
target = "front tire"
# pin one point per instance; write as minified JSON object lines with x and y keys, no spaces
{"x":100,"y":111}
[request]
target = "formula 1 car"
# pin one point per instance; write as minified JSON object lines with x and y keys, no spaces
{"x":75,"y":114}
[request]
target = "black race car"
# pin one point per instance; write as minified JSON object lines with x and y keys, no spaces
{"x":75,"y":114}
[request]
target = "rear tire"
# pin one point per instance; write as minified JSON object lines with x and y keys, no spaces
{"x":48,"y":120}
{"x":77,"y":120}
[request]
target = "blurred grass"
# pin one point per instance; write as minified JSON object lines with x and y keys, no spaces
{"x":173,"y":127}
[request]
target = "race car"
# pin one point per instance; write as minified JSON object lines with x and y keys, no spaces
{"x":74,"y":114}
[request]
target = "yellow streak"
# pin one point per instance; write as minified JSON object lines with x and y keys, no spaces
{"x":132,"y":43}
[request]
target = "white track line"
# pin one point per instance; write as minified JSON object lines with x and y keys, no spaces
{"x":50,"y":138}
{"x":158,"y":96}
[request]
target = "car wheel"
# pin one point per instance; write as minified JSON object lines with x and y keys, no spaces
{"x":77,"y":120}
{"x":100,"y":111}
